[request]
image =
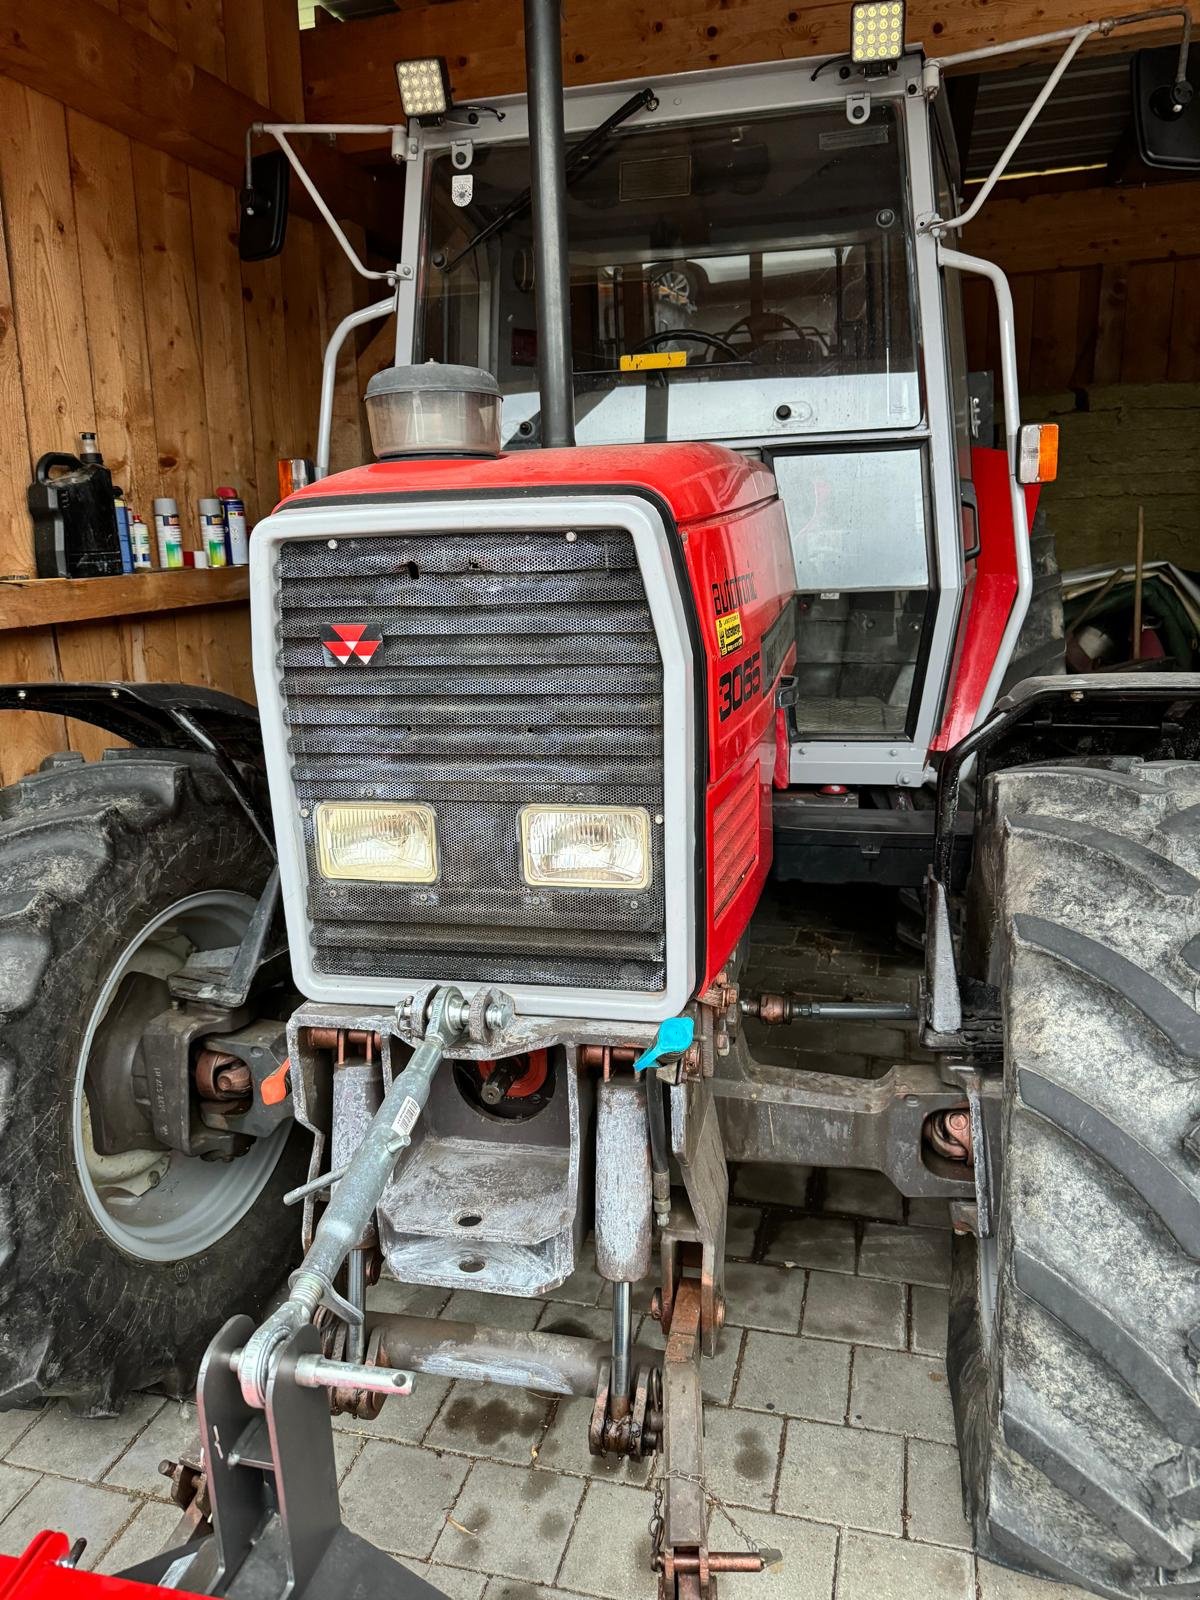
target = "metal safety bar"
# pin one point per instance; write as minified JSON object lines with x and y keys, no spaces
{"x":356,"y":319}
{"x":956,"y":261}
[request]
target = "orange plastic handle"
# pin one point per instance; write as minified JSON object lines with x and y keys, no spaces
{"x":275,"y":1086}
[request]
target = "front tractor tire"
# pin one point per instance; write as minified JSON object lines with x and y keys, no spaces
{"x":1075,"y":1333}
{"x":116,"y":1269}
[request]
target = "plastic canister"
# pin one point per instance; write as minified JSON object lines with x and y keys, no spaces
{"x":166,"y":528}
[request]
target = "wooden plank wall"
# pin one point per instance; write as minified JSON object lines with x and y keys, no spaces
{"x":1132,"y":322}
{"x":124,"y":308}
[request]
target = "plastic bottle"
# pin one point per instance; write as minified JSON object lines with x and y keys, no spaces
{"x":212,"y":531}
{"x":166,"y":528}
{"x":121,"y":511}
{"x":237,"y":537}
{"x":139,"y":543}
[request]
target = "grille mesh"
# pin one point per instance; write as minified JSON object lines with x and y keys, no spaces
{"x":514,"y":668}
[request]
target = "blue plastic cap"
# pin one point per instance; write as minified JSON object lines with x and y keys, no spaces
{"x":674,"y":1036}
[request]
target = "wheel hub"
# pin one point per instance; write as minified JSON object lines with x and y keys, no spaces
{"x":155,"y":1203}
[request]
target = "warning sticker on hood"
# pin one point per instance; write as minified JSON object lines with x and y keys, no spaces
{"x":729,"y":632}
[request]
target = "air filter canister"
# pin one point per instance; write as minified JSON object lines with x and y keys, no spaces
{"x":433,"y":409}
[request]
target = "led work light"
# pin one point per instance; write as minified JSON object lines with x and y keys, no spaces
{"x":586,"y":847}
{"x":424,"y":87}
{"x":376,"y":842}
{"x":877,"y":33}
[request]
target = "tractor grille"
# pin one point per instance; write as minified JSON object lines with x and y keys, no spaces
{"x":514,"y":668}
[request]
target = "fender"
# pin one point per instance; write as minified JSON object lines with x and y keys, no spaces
{"x":166,"y":716}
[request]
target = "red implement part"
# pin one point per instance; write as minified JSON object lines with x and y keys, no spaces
{"x":36,"y":1575}
{"x":530,"y":1081}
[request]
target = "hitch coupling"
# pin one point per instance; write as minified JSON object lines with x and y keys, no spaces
{"x":358,"y":1190}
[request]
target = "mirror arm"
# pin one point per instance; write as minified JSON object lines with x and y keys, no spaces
{"x":1077,"y":38}
{"x":279,"y":131}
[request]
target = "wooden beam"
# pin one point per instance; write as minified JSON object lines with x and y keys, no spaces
{"x":46,"y":602}
{"x":1089,"y":227}
{"x":79,"y":53}
{"x":348,"y":69}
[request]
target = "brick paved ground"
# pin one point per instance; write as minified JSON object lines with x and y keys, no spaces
{"x":829,"y":1429}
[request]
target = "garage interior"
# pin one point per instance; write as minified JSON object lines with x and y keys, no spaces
{"x":126,"y":311}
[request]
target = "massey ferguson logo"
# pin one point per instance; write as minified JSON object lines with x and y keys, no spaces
{"x":351,"y":641}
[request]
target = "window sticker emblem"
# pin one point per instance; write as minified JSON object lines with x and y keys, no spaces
{"x":350,"y":641}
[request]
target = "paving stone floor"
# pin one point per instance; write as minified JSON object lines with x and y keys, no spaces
{"x":829,"y":1428}
{"x":829,"y":1437}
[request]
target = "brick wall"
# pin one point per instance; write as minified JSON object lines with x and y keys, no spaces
{"x":1121,"y":447}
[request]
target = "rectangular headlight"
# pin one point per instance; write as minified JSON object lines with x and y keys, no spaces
{"x":586,"y":847}
{"x":877,"y":32}
{"x":380,"y":842}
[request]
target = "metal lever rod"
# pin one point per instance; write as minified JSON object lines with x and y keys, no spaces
{"x":323,"y":1180}
{"x":622,"y":1344}
{"x":317,"y":1372}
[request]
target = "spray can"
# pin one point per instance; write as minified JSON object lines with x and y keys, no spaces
{"x":212,"y":531}
{"x":237,"y":538}
{"x":166,"y":528}
{"x":139,"y":543}
{"x":121,"y":512}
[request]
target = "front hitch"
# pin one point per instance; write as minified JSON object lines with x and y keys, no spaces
{"x":356,"y":1193}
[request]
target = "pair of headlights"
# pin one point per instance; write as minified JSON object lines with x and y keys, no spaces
{"x":566,"y":847}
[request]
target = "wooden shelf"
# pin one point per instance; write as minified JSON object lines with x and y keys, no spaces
{"x":45,"y":602}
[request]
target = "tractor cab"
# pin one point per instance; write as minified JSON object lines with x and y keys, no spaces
{"x":746,"y":268}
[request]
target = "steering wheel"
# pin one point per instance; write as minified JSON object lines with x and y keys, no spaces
{"x":713,"y":341}
{"x":782,"y":322}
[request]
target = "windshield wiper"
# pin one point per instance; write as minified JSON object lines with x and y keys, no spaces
{"x":577,"y":157}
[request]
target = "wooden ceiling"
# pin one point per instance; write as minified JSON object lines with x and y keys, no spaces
{"x":349,"y":67}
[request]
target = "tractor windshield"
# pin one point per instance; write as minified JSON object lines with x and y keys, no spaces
{"x":741,"y":280}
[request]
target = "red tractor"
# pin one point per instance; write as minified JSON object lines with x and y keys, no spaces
{"x":680,"y":559}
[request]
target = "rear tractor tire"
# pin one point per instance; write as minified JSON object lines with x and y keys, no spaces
{"x":1075,"y":1331}
{"x":116,"y":1269}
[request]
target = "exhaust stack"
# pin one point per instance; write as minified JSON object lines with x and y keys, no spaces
{"x":543,"y":71}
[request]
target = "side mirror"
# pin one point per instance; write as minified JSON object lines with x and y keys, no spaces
{"x":264,"y":207}
{"x":1166,"y":114}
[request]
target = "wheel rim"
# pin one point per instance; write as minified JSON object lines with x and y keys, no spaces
{"x":193,"y":1203}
